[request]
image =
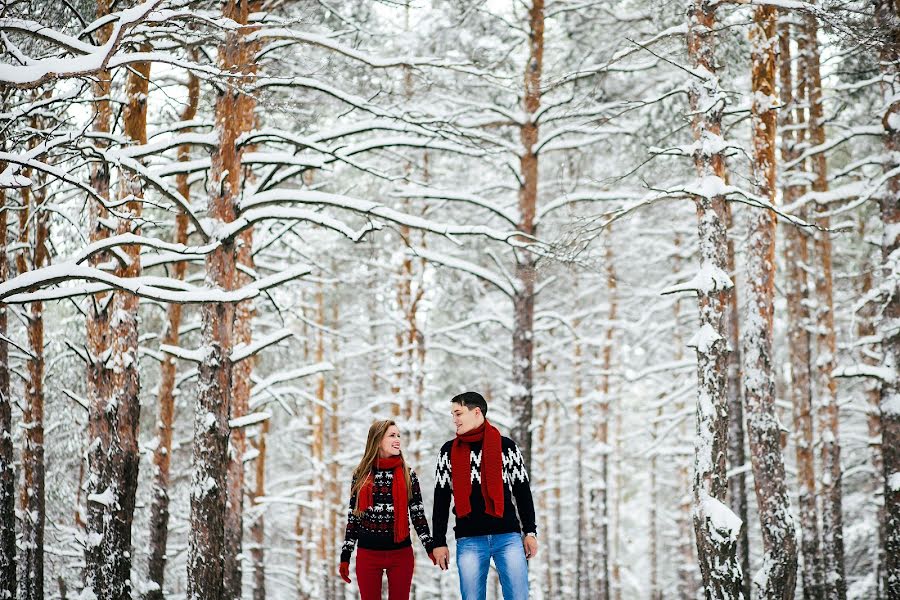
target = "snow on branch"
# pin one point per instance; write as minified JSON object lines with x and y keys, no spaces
{"x":182,"y":353}
{"x":862,"y":370}
{"x":91,"y":60}
{"x":709,"y":279}
{"x":436,"y":194}
{"x":284,"y":376}
{"x":248,"y":420}
{"x":242,"y":351}
{"x":375,"y":209}
{"x":585,"y":196}
{"x":500,"y":282}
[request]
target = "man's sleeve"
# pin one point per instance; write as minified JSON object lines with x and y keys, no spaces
{"x":443,"y":491}
{"x":517,"y":476}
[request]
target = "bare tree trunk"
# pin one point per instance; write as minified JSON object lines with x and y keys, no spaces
{"x":777,"y":576}
{"x":111,"y":573}
{"x":523,"y":301}
{"x":716,"y":528}
{"x":240,"y":399}
{"x":600,"y":490}
{"x":866,"y":331}
{"x":582,"y":575}
{"x":159,"y":510}
{"x":320,"y":566}
{"x":826,"y":348}
{"x":655,"y":591}
{"x":7,"y":467}
{"x":258,"y":526}
{"x":99,"y":310}
{"x":33,"y":217}
{"x":887,"y":15}
{"x":799,"y":322}
{"x":737,"y":458}
{"x":210,"y":452}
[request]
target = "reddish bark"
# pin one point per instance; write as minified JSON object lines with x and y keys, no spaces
{"x":777,"y":577}
{"x":210,"y":452}
{"x":799,"y":322}
{"x":522,"y":397}
{"x":159,"y":509}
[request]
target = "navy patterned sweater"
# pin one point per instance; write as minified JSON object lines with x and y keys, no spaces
{"x":374,"y":529}
{"x":515,"y":485}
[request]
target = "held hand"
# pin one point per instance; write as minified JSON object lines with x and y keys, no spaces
{"x":442,"y":557}
{"x":531,"y":546}
{"x":345,"y":572}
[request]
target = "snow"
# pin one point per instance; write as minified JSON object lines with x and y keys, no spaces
{"x":726,"y":525}
{"x":249,"y":419}
{"x":704,"y":339}
{"x":893,"y":482}
{"x":107,"y":498}
{"x":709,"y":279}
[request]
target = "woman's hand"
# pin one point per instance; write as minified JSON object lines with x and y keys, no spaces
{"x":345,"y":572}
{"x":442,"y":557}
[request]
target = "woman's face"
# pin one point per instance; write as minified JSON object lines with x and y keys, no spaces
{"x":390,"y":443}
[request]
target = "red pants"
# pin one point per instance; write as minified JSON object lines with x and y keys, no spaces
{"x":370,"y":568}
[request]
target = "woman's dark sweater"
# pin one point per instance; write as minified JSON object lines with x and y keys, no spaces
{"x":374,"y":529}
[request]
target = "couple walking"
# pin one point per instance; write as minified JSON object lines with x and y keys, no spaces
{"x":481,"y":471}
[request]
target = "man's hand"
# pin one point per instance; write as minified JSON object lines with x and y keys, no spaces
{"x":345,"y":571}
{"x":442,"y":557}
{"x":531,"y":546}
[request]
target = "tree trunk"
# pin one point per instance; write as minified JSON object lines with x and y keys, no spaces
{"x":523,"y":301}
{"x":866,"y":331}
{"x":7,"y":467}
{"x":240,"y":400}
{"x":716,"y":529}
{"x":321,"y":567}
{"x":777,"y":576}
{"x":826,"y":348}
{"x":110,"y":573}
{"x":737,"y":458}
{"x":258,"y":527}
{"x":99,"y":310}
{"x":799,"y":323}
{"x":159,"y":510}
{"x":210,"y":451}
{"x":887,"y":14}
{"x":600,"y":491}
{"x":33,"y":217}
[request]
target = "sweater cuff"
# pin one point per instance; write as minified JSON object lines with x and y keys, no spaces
{"x":345,"y":556}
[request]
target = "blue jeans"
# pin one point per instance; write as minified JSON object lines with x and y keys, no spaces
{"x":473,"y":559}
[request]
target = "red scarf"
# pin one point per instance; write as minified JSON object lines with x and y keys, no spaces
{"x":491,"y":470}
{"x":401,"y":512}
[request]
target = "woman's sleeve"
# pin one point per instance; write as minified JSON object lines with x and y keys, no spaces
{"x":351,"y":534}
{"x":417,"y":514}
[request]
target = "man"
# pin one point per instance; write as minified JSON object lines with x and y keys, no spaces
{"x":483,"y":471}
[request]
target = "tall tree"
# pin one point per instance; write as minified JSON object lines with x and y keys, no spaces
{"x":887,"y":17}
{"x":7,"y":466}
{"x":33,"y":254}
{"x":210,"y":451}
{"x":796,"y":251}
{"x":162,"y":453}
{"x":826,"y":344}
{"x":779,"y":564}
{"x":717,"y":530}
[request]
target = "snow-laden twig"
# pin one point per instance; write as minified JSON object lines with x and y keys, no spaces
{"x":243,"y":352}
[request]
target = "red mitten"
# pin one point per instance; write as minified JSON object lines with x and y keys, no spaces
{"x":345,"y":571}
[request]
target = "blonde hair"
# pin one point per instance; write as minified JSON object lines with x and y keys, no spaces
{"x":366,"y":465}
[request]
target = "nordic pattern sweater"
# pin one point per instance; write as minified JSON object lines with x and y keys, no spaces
{"x":374,"y":528}
{"x":515,"y":485}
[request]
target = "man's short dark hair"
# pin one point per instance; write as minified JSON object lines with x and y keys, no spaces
{"x":471,"y":400}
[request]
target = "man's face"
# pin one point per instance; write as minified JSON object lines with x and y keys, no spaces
{"x":464,"y":418}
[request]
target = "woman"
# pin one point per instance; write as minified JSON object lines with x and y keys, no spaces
{"x":384,"y":496}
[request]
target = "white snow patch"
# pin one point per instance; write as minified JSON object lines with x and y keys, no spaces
{"x":704,"y":339}
{"x":107,"y":498}
{"x":725,"y":524}
{"x":893,"y":482}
